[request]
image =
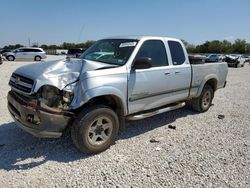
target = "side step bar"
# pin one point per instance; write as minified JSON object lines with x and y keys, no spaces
{"x":159,"y":111}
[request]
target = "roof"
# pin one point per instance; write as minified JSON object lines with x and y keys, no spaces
{"x":139,"y":37}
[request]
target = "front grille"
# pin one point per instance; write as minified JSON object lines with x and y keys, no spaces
{"x":21,"y":83}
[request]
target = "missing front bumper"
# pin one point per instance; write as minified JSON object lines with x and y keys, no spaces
{"x":35,"y":120}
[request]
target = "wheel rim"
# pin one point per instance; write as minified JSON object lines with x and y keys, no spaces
{"x":10,"y":58}
{"x":37,"y":58}
{"x":100,"y":130}
{"x":206,"y":99}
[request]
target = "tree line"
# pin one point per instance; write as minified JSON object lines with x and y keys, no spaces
{"x":65,"y":45}
{"x":239,"y":46}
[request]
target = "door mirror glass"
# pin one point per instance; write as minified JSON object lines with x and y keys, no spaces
{"x":142,"y":63}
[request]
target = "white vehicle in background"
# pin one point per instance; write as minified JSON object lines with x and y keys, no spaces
{"x":24,"y":53}
{"x":247,"y":58}
{"x":235,"y":61}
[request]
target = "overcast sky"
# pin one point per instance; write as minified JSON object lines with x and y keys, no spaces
{"x":58,"y":21}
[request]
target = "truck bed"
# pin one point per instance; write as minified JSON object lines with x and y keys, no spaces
{"x":203,"y":72}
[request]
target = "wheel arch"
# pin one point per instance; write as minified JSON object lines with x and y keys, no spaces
{"x":210,"y":80}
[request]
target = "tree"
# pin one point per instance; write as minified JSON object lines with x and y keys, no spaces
{"x":239,"y":46}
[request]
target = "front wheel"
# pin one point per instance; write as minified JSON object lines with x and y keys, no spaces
{"x":95,"y":129}
{"x":10,"y":58}
{"x":203,"y":103}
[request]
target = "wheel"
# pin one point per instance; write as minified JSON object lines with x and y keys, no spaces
{"x":95,"y":129}
{"x":37,"y":58}
{"x":203,"y":103}
{"x":10,"y":58}
{"x":238,"y":65}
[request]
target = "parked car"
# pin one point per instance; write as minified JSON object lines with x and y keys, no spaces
{"x":146,"y":76}
{"x":24,"y":53}
{"x":212,"y":58}
{"x":1,"y":59}
{"x":247,"y":58}
{"x":75,"y":52}
{"x":235,"y":61}
{"x":4,"y":51}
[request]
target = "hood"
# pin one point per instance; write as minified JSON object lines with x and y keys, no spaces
{"x":58,"y":73}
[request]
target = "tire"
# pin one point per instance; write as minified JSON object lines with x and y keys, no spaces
{"x":203,"y":103}
{"x":10,"y":58}
{"x":95,"y":129}
{"x":37,"y":58}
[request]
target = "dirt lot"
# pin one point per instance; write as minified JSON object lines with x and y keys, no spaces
{"x":203,"y":151}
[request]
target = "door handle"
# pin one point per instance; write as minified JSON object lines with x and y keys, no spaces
{"x":167,"y":73}
{"x":177,"y":72}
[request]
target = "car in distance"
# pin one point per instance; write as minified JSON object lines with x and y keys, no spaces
{"x":75,"y":52}
{"x":4,"y":51}
{"x":235,"y":60}
{"x":142,"y":76}
{"x":212,"y":58}
{"x":26,"y":53}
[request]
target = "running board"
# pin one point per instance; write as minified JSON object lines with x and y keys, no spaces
{"x":159,"y":111}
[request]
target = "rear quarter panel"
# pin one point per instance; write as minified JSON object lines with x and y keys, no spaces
{"x":204,"y":72}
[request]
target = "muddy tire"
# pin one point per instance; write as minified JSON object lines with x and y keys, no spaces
{"x":203,"y":103}
{"x":95,"y":129}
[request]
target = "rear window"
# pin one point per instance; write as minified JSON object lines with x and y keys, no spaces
{"x":177,"y":53}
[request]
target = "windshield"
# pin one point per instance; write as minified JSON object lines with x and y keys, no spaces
{"x":111,"y":51}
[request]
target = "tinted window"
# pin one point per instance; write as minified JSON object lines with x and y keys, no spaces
{"x":154,"y":49}
{"x":31,"y":50}
{"x":177,"y":53}
{"x":74,"y":51}
{"x":37,"y":50}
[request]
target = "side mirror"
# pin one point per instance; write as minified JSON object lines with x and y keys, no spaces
{"x":142,"y":63}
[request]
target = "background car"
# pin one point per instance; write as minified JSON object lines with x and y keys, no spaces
{"x":1,"y":62}
{"x":36,"y":54}
{"x":212,"y":58}
{"x":235,"y":60}
{"x":75,"y":52}
{"x":247,"y":58}
{"x":4,"y":51}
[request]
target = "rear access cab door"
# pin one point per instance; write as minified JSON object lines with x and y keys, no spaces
{"x":164,"y":82}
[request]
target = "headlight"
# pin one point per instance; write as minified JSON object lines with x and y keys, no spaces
{"x":53,"y":97}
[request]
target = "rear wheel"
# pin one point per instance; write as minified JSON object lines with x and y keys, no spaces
{"x":203,"y":103}
{"x":10,"y":58}
{"x":95,"y":129}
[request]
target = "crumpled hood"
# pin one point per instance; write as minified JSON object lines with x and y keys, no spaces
{"x":57,"y":73}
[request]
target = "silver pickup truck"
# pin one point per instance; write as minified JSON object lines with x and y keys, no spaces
{"x":115,"y":79}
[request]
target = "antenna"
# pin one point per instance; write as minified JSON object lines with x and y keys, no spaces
{"x":80,"y":34}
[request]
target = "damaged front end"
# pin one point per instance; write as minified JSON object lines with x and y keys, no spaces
{"x":41,"y":106}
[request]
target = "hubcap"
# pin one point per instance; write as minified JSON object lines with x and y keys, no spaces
{"x":206,"y":99}
{"x":100,"y":130}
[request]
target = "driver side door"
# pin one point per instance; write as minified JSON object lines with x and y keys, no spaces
{"x":149,"y":88}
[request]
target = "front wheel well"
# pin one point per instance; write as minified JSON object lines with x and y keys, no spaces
{"x":111,"y":101}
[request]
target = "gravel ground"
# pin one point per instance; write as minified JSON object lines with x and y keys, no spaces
{"x":203,"y":151}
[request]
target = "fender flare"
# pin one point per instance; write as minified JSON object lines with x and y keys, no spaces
{"x":205,"y":80}
{"x":107,"y":90}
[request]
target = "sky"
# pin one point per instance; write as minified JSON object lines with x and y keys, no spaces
{"x":58,"y":21}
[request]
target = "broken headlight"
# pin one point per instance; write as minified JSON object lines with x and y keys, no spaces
{"x":54,"y":98}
